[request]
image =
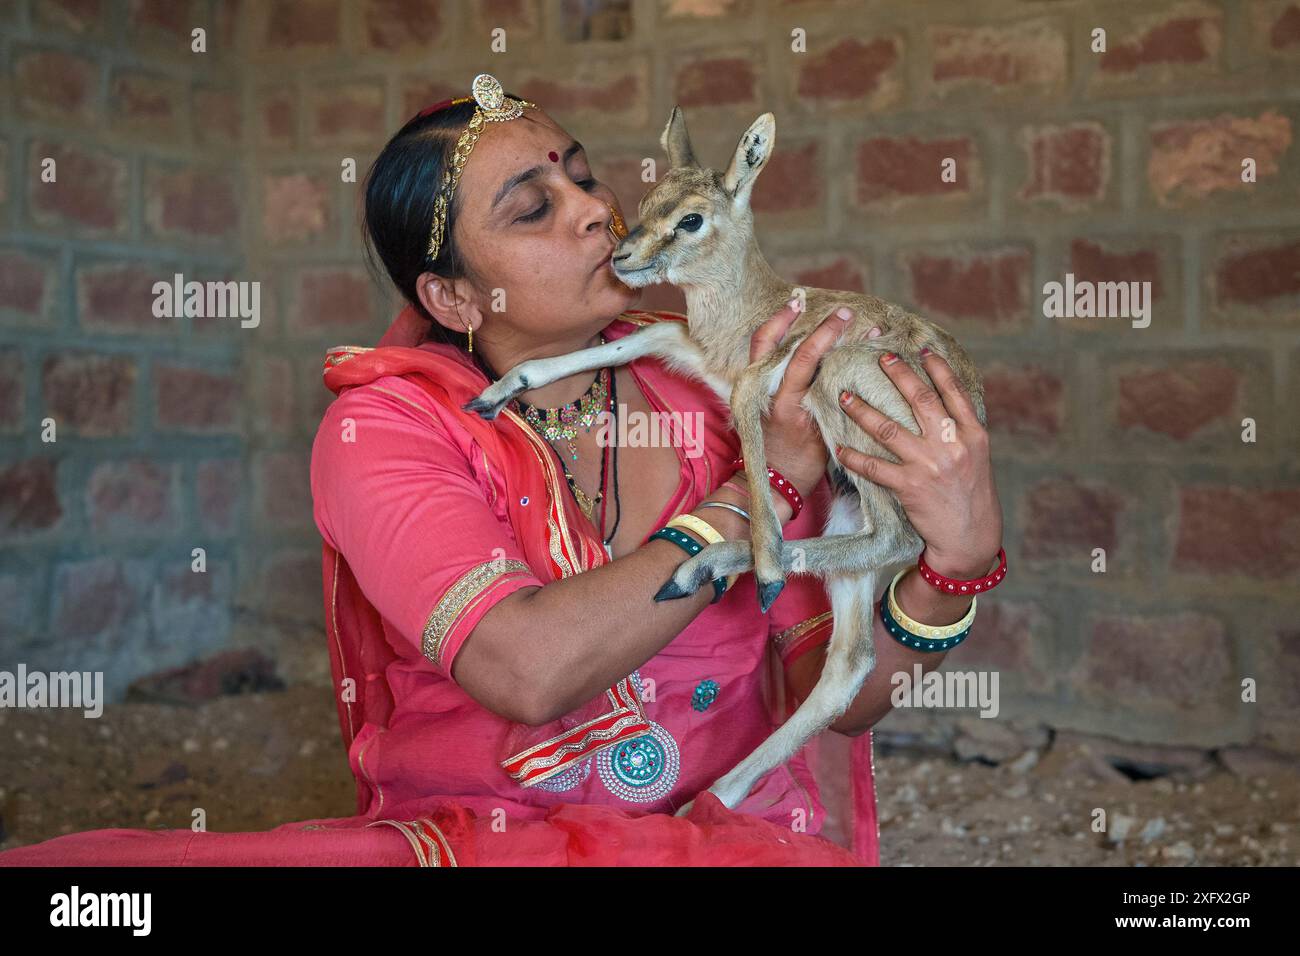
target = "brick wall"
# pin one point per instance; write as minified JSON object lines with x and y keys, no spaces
{"x":1123,"y":165}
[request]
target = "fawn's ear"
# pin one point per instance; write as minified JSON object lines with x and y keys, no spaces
{"x":676,"y":141}
{"x":751,"y":156}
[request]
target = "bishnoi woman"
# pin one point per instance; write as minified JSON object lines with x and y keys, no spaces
{"x":508,"y":689}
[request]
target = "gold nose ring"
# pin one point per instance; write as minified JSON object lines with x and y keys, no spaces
{"x":617,"y":228}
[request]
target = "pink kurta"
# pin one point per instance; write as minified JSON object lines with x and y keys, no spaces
{"x":420,"y":514}
{"x":420,"y":540}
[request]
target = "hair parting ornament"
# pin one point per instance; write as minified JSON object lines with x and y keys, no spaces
{"x":494,"y":106}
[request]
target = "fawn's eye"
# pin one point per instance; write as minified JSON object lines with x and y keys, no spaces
{"x":691,"y":222}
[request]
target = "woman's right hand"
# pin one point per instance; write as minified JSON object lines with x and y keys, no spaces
{"x":792,"y":441}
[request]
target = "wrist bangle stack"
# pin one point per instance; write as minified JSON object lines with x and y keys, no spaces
{"x":780,"y":483}
{"x":914,"y":634}
{"x":691,"y":547}
{"x":710,"y":534}
{"x":958,"y":586}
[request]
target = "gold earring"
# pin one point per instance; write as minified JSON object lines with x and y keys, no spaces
{"x":470,"y":329}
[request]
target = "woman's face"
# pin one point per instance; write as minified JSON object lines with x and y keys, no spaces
{"x":533,"y":222}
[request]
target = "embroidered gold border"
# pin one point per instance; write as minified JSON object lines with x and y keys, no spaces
{"x":467,"y":587}
{"x":803,"y":627}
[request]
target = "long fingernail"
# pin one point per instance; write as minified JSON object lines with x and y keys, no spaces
{"x":794,"y":304}
{"x":874,"y":333}
{"x":890,"y":358}
{"x":844,"y":313}
{"x":925,"y":351}
{"x":845,"y":398}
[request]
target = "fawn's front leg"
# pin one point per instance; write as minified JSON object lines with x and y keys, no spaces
{"x":749,"y":399}
{"x":665,"y":340}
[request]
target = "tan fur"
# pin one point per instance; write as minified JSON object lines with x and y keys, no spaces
{"x":730,"y":291}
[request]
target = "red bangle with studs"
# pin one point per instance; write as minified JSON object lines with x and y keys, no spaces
{"x":956,"y":586}
{"x":781,"y":484}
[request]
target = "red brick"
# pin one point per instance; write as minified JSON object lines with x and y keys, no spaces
{"x":295,"y":206}
{"x":1233,"y":530}
{"x":296,"y":25}
{"x":829,"y":270}
{"x":74,"y":16}
{"x":288,"y":579}
{"x":1067,"y":519}
{"x":191,"y":399}
{"x":1181,"y":661}
{"x":622,"y":173}
{"x":90,"y":191}
{"x":217,"y":485}
{"x":275,"y":396}
{"x":992,"y":286}
{"x":610,"y":90}
{"x":1023,"y":55}
{"x":1175,"y":39}
{"x":12,"y":389}
{"x":284,"y":488}
{"x":1014,"y":638}
{"x":393,"y":26}
{"x":26,"y":284}
{"x":347,"y":113}
{"x":1023,"y":399}
{"x":518,"y":17}
{"x":4,"y":175}
{"x":421,"y":92}
{"x":191,"y":202}
{"x":119,"y":295}
{"x":1253,"y":274}
{"x":130,"y":496}
{"x":327,"y":297}
{"x":1191,"y":160}
{"x":29,"y":496}
{"x":1093,"y":262}
{"x":171,"y":18}
{"x":1069,"y":165}
{"x":1179,"y":400}
{"x":790,"y":182}
{"x":89,"y":394}
{"x":278,"y":117}
{"x":53,"y":85}
{"x":716,"y":81}
{"x":149,"y":102}
{"x":98,"y":596}
{"x":890,"y":170}
{"x":1284,"y":32}
{"x":853,"y":69}
{"x":216,"y":117}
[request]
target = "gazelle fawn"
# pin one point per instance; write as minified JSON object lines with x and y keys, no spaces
{"x":696,"y":232}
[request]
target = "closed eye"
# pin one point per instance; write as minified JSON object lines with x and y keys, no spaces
{"x":540,"y":211}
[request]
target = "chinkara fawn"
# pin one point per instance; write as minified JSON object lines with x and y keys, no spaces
{"x":696,"y":232}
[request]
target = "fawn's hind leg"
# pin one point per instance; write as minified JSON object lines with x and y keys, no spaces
{"x":849,"y":659}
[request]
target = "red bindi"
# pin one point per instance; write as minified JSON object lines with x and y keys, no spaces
{"x":554,"y":156}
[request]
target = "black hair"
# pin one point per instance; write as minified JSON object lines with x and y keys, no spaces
{"x":400,"y":189}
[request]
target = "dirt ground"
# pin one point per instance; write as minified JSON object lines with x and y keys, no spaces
{"x":254,"y":761}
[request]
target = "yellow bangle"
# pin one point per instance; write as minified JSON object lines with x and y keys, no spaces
{"x":710,"y":534}
{"x":936,"y":632}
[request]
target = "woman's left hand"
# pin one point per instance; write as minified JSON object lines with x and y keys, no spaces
{"x":944,"y":479}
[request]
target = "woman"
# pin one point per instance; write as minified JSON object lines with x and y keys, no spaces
{"x":509,"y":691}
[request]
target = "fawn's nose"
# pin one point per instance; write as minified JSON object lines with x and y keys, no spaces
{"x":629,"y":238}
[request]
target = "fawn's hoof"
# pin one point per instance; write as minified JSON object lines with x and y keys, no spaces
{"x":767,"y":593}
{"x":482,"y":408}
{"x":670,"y":591}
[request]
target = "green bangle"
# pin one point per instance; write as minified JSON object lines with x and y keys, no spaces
{"x":691,"y":547}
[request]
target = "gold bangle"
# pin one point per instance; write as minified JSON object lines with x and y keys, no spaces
{"x":936,"y":632}
{"x":710,"y":534}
